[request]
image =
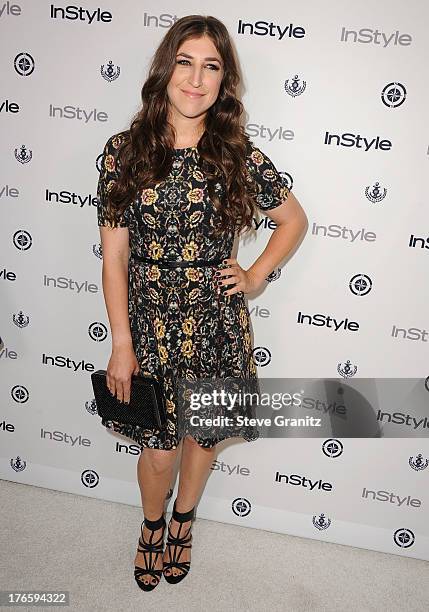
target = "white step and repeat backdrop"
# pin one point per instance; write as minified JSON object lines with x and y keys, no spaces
{"x":336,"y":95}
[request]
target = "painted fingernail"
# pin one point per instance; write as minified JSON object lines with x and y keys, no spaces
{"x":217,"y":273}
{"x":225,"y":261}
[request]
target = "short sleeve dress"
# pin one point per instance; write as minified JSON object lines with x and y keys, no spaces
{"x":181,"y":327}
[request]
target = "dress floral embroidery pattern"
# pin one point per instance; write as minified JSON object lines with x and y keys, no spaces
{"x":180,"y":327}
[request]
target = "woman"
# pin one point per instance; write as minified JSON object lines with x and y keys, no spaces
{"x":178,"y":186}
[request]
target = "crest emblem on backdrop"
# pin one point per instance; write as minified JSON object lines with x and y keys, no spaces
{"x":20,"y":319}
{"x":23,"y":156}
{"x":109,"y":72}
{"x":346,"y":370}
{"x":18,"y":464}
{"x":294,"y":87}
{"x":418,"y":463}
{"x":375,"y":194}
{"x":321,"y":522}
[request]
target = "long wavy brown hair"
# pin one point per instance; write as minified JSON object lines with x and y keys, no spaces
{"x":145,"y":156}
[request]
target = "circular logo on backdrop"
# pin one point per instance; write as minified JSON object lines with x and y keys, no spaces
{"x":90,"y":478}
{"x":261,"y":356}
{"x":97,"y":331}
{"x":287,"y":179}
{"x":393,"y":95}
{"x":22,"y":240}
{"x":19,"y":394}
{"x":24,"y":64}
{"x":98,"y":162}
{"x":241,"y":506}
{"x":360,"y":284}
{"x":404,"y":537}
{"x":332,"y":448}
{"x":275,"y":275}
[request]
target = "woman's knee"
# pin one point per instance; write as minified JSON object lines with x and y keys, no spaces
{"x":158,"y":461}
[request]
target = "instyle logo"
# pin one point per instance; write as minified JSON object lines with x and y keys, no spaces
{"x":261,"y":131}
{"x":391,"y":498}
{"x":400,"y":418}
{"x":7,"y":275}
{"x":321,"y":320}
{"x":9,"y":107}
{"x":10,"y":9}
{"x":7,"y":427}
{"x":265,"y":223}
{"x":312,"y":403}
{"x":229,"y":470}
{"x":346,"y":233}
{"x":79,"y":13}
{"x":62,"y":436}
{"x":367,"y":36}
{"x":258,"y":311}
{"x":410,"y":333}
{"x":70,"y":197}
{"x":127,"y":449}
{"x":421,"y":243}
{"x":75,"y":112}
{"x":266,"y":28}
{"x":62,"y":282}
{"x":60,"y":361}
{"x":347,"y":139}
{"x":9,"y":192}
{"x":164,"y":20}
{"x":7,"y":353}
{"x":303,"y":481}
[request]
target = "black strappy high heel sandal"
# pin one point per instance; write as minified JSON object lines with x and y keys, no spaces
{"x":151,"y":550}
{"x":176,"y":545}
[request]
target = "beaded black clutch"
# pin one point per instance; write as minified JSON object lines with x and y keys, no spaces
{"x":146,"y":407}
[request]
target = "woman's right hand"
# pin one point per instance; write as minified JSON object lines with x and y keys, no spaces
{"x":122,"y":364}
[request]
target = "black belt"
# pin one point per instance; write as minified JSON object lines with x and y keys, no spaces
{"x":170,"y":263}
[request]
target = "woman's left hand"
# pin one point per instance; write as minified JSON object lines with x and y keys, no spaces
{"x":239,"y":279}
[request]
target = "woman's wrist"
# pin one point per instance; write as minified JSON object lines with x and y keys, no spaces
{"x":119,"y":343}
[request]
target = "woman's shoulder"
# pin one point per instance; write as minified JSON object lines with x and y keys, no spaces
{"x":115,"y":141}
{"x":256,"y":157}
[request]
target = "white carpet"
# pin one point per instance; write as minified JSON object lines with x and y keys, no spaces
{"x":53,"y":540}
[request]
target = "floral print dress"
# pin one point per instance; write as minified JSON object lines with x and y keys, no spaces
{"x":180,"y":326}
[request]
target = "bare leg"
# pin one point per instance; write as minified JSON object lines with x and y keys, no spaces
{"x":154,"y":472}
{"x":194,"y":469}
